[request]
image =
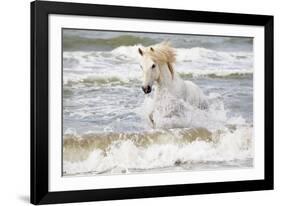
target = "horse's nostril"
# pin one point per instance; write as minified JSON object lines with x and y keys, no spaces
{"x":146,"y":90}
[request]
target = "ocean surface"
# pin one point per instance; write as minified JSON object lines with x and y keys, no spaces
{"x":105,"y":127}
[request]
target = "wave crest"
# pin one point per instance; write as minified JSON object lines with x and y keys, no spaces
{"x":82,"y":43}
{"x":121,"y":65}
{"x":130,"y":152}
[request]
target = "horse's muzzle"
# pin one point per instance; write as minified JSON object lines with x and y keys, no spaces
{"x":147,"y":89}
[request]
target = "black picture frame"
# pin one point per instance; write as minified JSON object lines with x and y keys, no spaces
{"x":40,"y":100}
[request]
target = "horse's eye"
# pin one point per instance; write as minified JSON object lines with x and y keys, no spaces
{"x":153,"y":66}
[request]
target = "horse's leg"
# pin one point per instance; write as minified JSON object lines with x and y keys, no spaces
{"x":151,"y":119}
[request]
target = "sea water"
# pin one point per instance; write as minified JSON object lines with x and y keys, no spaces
{"x":105,"y":124}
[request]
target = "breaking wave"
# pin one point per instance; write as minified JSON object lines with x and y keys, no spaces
{"x":188,"y":140}
{"x":123,"y":64}
{"x":193,"y":139}
{"x":82,"y":43}
{"x":123,"y":153}
{"x":117,"y":79}
{"x":97,"y":40}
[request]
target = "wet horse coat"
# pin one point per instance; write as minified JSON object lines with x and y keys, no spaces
{"x":157,"y":63}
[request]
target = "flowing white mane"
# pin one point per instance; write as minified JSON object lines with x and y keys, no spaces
{"x":162,"y":53}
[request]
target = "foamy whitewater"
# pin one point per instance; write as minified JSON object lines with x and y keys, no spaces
{"x":105,"y":125}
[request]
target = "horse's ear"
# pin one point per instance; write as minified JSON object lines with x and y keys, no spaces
{"x":151,"y":49}
{"x":140,"y":51}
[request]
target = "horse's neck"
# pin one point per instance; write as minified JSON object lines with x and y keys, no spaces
{"x":166,"y":78}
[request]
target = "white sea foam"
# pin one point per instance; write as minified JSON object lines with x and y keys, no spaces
{"x":172,"y":112}
{"x":123,"y":61}
{"x":123,"y":156}
{"x":98,"y":69}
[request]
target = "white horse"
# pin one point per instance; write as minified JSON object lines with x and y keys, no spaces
{"x":157,"y":63}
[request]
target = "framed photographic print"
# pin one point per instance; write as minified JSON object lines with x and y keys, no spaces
{"x":131,"y":102}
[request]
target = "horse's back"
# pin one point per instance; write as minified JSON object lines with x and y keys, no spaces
{"x":195,"y":95}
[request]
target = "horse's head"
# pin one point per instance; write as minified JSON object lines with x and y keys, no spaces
{"x":150,"y":69}
{"x":153,"y":59}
